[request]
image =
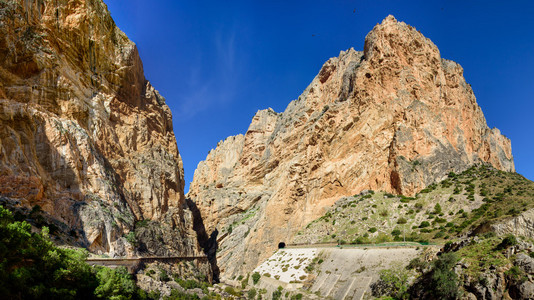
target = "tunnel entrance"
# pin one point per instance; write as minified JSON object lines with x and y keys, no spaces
{"x":281,"y":245}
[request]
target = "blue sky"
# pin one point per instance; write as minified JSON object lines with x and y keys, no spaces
{"x":218,"y":62}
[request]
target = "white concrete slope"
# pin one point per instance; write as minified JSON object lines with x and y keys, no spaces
{"x":336,"y":273}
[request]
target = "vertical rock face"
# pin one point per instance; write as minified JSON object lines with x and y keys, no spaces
{"x":395,"y":117}
{"x":83,"y":134}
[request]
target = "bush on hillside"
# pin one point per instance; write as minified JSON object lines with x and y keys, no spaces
{"x":256,"y":277}
{"x":392,"y":282}
{"x":32,"y":267}
{"x":444,"y":281}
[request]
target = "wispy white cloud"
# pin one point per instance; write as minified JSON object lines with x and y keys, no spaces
{"x":215,"y":76}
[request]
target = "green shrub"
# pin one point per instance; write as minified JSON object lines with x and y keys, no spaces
{"x":251,"y":293}
{"x":163,"y":276}
{"x":244,"y":282}
{"x":190,"y":283}
{"x":440,"y":220}
{"x":514,"y":273}
{"x":130,"y":237}
{"x":115,"y":284}
{"x":179,"y":295}
{"x":439,"y":235}
{"x":32,"y":267}
{"x":424,"y":224}
{"x":393,"y":283}
{"x":278,"y":293}
{"x":230,"y":290}
{"x":372,"y":229}
{"x":444,"y":281}
{"x":437,"y":209}
{"x":256,"y":277}
{"x":508,"y":241}
{"x":401,"y":220}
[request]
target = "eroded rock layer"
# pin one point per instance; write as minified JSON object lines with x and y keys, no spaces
{"x":83,"y":134}
{"x":395,"y":117}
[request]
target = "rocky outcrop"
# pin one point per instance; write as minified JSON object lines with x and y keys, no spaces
{"x":83,"y":134}
{"x":521,"y":225}
{"x":395,"y":117}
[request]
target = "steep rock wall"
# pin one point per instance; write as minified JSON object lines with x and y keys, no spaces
{"x":83,"y":134}
{"x":395,"y":117}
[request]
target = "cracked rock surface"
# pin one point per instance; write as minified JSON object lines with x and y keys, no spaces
{"x":394,"y":117}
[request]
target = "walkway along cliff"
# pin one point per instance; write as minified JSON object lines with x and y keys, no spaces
{"x":84,"y":135}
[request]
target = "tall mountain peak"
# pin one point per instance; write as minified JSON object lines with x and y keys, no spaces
{"x":395,"y":117}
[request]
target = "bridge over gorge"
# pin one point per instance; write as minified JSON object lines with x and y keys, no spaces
{"x":133,"y":264}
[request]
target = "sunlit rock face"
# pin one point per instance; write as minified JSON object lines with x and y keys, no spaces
{"x":395,"y":117}
{"x":83,"y":134}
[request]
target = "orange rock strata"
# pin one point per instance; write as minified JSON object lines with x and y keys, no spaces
{"x":395,"y":117}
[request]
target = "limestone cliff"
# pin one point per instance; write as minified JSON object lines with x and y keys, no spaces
{"x":395,"y":117}
{"x":83,"y":134}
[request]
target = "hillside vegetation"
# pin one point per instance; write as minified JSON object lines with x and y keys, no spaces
{"x":33,"y":267}
{"x":453,"y":207}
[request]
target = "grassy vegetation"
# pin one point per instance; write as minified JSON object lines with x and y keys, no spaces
{"x":482,"y":255}
{"x":438,"y":213}
{"x":32,"y":267}
{"x":478,"y":257}
{"x":241,"y":219}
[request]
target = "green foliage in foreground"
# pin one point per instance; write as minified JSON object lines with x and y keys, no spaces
{"x":444,"y":281}
{"x":393,"y":282}
{"x":115,"y":284}
{"x":32,"y":267}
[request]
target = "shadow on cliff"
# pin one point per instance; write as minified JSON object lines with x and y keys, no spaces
{"x":208,"y":244}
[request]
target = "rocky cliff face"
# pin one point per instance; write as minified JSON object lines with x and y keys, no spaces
{"x":395,"y":117}
{"x":83,"y":134}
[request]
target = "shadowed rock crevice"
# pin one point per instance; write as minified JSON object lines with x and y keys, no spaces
{"x":208,"y":244}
